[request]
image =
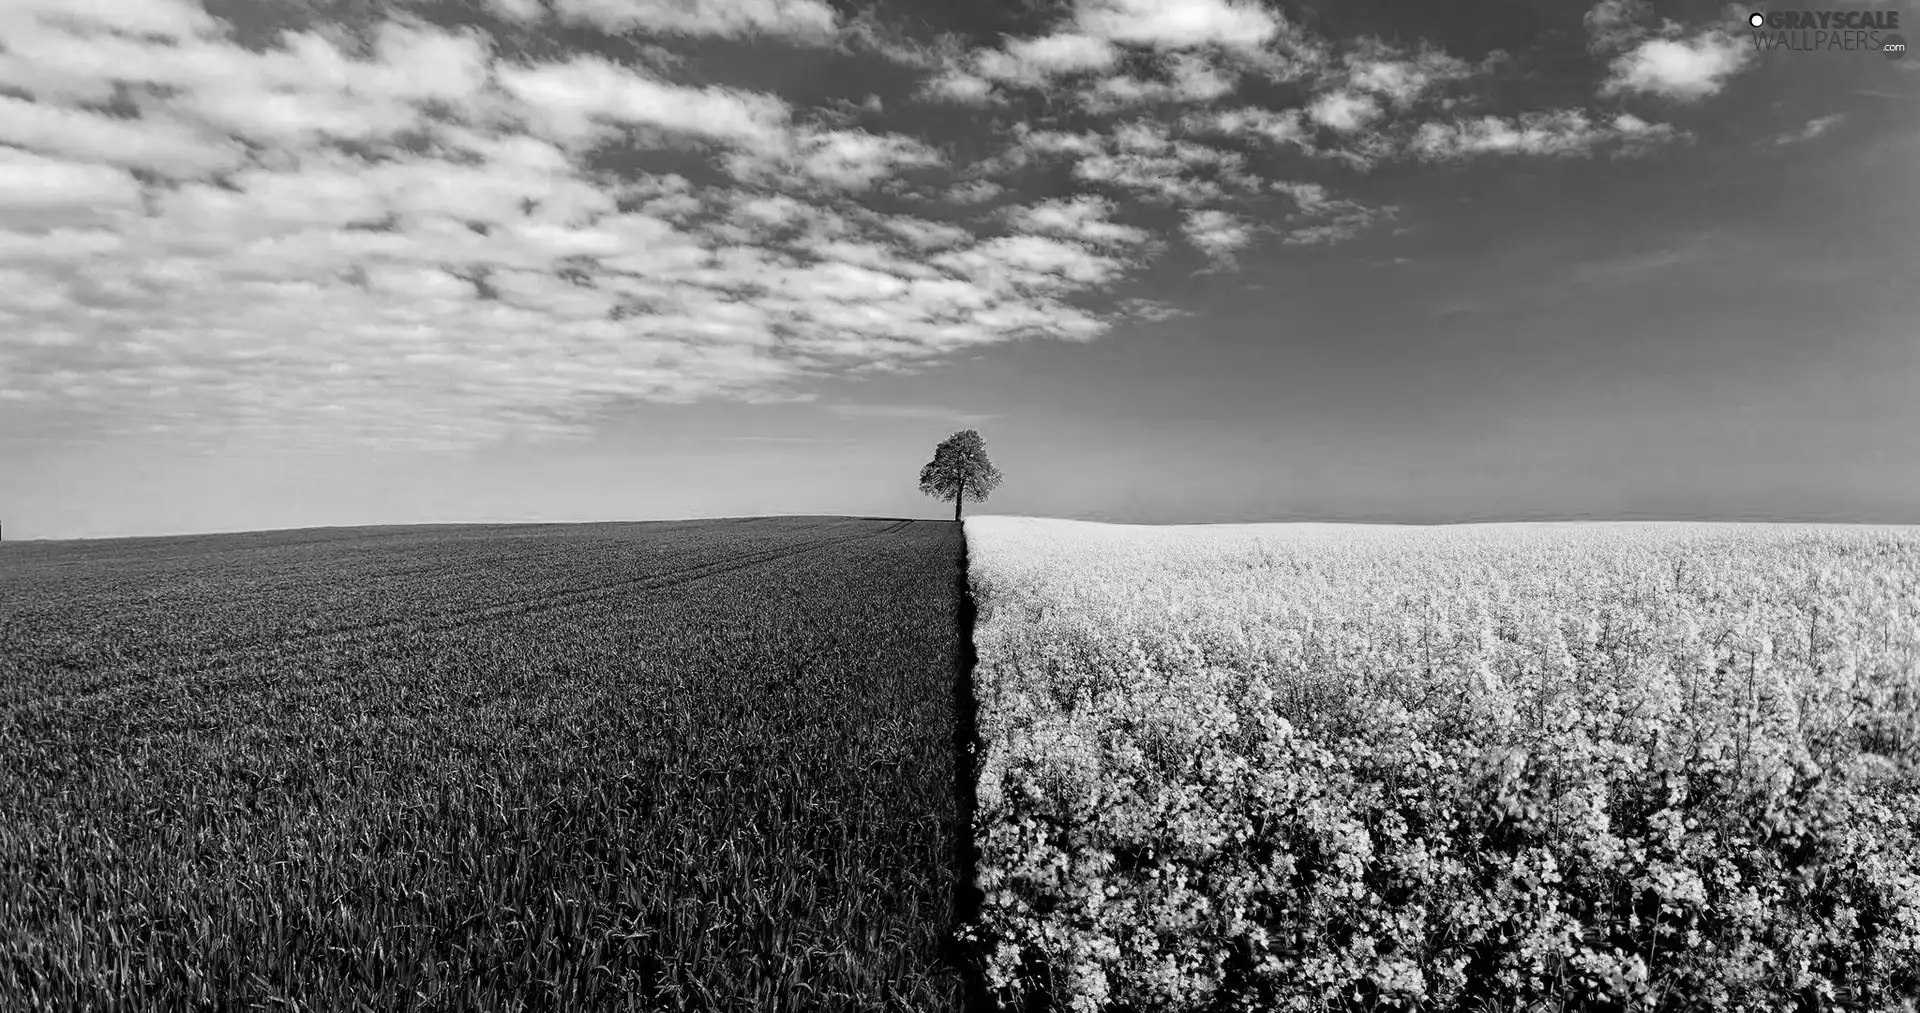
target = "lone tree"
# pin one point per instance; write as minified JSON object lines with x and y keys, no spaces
{"x":960,"y":470}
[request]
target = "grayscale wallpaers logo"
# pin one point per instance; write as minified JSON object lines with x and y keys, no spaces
{"x":1807,"y":30}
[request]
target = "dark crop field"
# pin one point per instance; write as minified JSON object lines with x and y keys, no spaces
{"x":700,"y":765}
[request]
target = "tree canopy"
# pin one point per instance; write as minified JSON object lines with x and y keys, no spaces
{"x":960,"y":470}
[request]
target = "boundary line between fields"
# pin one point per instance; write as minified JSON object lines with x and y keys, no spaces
{"x":967,"y":898}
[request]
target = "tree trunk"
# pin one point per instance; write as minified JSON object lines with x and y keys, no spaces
{"x":957,"y":494}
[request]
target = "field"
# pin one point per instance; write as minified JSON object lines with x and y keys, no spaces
{"x":1488,"y":767}
{"x":781,"y":764}
{"x":702,"y":765}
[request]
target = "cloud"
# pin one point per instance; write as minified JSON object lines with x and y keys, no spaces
{"x":975,"y":191}
{"x":160,"y":144}
{"x":1092,"y":40}
{"x":30,"y":182}
{"x":1152,"y":310}
{"x":414,"y":244}
{"x":977,"y":77}
{"x":577,"y":100}
{"x":1380,"y":70}
{"x":1217,"y":234}
{"x":1559,"y":133}
{"x":302,"y":90}
{"x":414,"y":235}
{"x":518,"y":11}
{"x":849,"y":159}
{"x":959,"y":86}
{"x":1179,"y":24}
{"x":798,"y":20}
{"x":1142,"y":157}
{"x":1139,"y":156}
{"x":1682,"y":69}
{"x":1083,"y":218}
{"x":1037,"y":265}
{"x":1343,"y":111}
{"x":1814,"y":128}
{"x":1028,"y":142}
{"x":1158,"y":179}
{"x":1035,"y":62}
{"x":1189,"y":78}
{"x":1322,"y":217}
{"x":1562,"y":132}
{"x":1189,"y":35}
{"x":1614,"y":25}
{"x":1284,"y":126}
{"x":1361,"y":112}
{"x":172,"y":20}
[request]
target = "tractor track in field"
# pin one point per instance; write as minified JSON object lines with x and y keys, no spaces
{"x":306,"y":645}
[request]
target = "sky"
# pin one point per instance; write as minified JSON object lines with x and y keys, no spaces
{"x":270,"y":264}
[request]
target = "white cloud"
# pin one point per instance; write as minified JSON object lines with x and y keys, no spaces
{"x":304,"y":89}
{"x":1179,"y":24}
{"x":1309,"y":196}
{"x":1037,"y":264}
{"x":849,"y":159}
{"x":976,"y":191}
{"x":1613,"y":25}
{"x":1561,"y":132}
{"x":1055,"y":142}
{"x":1139,"y":156}
{"x":469,"y":267}
{"x":170,"y":19}
{"x":32,"y":182}
{"x":1205,"y":45}
{"x":1085,"y":218}
{"x":1141,"y":135}
{"x":1217,"y":234}
{"x":573,"y":101}
{"x":520,"y":11}
{"x":1683,"y":69}
{"x":1322,"y":217}
{"x":1376,"y":69}
{"x":973,"y":78}
{"x":1189,"y":78}
{"x":1275,"y":126}
{"x":1169,"y":178}
{"x":455,"y":280}
{"x":1151,"y":310}
{"x":959,"y":86}
{"x":800,"y":20}
{"x":158,"y":144}
{"x":1344,"y":111}
{"x":1814,"y":128}
{"x":1638,"y":137}
{"x":1034,"y":62}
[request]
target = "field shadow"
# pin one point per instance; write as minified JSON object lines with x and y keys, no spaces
{"x":967,"y":896}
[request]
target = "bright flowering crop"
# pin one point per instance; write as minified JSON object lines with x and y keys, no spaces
{"x":1485,"y":767}
{"x":687,"y":766}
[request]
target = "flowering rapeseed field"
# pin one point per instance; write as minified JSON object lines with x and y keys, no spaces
{"x":1483,"y":767}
